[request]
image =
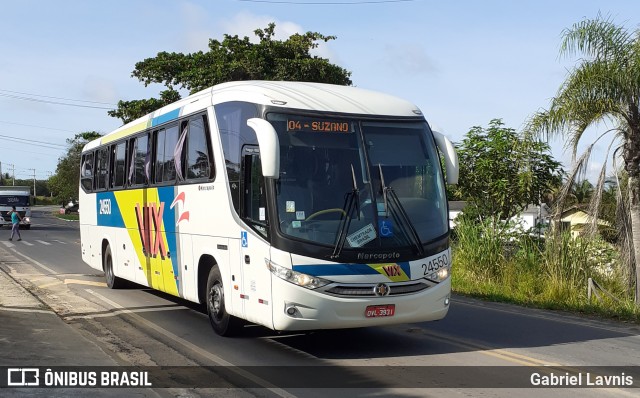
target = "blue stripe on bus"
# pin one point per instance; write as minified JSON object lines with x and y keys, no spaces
{"x":108,"y":210}
{"x":166,"y":196}
{"x":174,"y":114}
{"x":343,"y":269}
{"x":406,"y":267}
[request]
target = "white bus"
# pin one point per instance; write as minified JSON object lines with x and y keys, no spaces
{"x":21,"y":198}
{"x":296,"y":206}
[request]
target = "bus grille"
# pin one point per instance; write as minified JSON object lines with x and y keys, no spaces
{"x":367,"y":290}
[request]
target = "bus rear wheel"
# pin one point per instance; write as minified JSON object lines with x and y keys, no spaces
{"x":222,"y":323}
{"x":113,"y":282}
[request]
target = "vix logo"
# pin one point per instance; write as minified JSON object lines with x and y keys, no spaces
{"x":392,"y":270}
{"x":149,"y":219}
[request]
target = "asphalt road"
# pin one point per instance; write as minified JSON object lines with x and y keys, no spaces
{"x":485,"y":344}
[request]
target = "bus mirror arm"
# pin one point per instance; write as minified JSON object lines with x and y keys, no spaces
{"x":269,"y":147}
{"x":450,"y":156}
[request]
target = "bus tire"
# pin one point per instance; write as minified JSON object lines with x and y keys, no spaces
{"x":222,"y":323}
{"x":113,"y":282}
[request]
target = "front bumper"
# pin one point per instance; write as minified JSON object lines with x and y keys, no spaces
{"x":317,"y":310}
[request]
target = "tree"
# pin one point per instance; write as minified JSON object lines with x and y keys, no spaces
{"x":581,"y":192}
{"x":229,"y":60}
{"x":65,"y":183}
{"x":602,"y":87}
{"x":501,"y":173}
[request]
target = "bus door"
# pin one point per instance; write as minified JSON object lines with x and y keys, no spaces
{"x":254,"y":246}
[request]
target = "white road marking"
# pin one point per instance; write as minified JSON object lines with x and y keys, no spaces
{"x":212,"y":357}
{"x":43,"y":242}
{"x":27,"y":243}
{"x":8,"y":244}
{"x":59,"y":241}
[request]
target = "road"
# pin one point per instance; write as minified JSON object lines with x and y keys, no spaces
{"x":477,"y":341}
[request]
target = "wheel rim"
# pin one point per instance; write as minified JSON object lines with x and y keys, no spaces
{"x":216,"y":297}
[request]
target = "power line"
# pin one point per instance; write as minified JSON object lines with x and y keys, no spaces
{"x":59,"y":98}
{"x":43,"y":144}
{"x":53,"y":102}
{"x":39,"y":142}
{"x":38,"y":153}
{"x":40,"y":127}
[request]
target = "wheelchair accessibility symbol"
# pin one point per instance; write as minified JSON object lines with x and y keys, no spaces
{"x":243,"y":239}
{"x":385,"y":228}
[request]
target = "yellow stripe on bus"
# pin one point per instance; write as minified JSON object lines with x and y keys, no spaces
{"x":123,"y":133}
{"x":393,"y":271}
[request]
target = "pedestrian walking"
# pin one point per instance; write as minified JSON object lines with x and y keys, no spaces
{"x":15,"y":223}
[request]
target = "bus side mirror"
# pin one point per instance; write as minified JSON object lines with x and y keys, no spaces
{"x":269,"y":147}
{"x":450,"y":157}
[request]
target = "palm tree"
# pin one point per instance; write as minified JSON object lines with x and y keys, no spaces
{"x":581,"y":192}
{"x":603,"y":87}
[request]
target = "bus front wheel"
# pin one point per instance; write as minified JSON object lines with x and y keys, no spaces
{"x":113,"y":282}
{"x":222,"y":323}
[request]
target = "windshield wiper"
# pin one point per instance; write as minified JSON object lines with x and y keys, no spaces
{"x":399,"y":213}
{"x":351,"y":203}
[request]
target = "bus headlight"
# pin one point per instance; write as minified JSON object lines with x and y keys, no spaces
{"x":297,"y":278}
{"x":439,"y":275}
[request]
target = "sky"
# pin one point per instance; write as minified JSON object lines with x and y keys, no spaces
{"x":64,"y":63}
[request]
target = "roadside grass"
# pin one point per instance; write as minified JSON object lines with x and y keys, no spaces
{"x":549,"y":274}
{"x":68,"y":217}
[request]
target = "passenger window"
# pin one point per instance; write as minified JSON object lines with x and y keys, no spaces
{"x":102,"y":169}
{"x":166,"y":141}
{"x":119,"y":165}
{"x":86,"y":172}
{"x":198,"y":163}
{"x":139,"y":165}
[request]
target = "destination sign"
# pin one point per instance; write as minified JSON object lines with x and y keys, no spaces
{"x":318,"y":125}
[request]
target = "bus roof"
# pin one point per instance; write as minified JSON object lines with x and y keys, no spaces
{"x":291,"y":95}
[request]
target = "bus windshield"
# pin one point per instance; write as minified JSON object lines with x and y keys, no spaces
{"x":377,"y":184}
{"x":14,"y":200}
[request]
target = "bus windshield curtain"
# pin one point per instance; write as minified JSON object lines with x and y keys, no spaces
{"x":147,"y":164}
{"x":177,"y":152}
{"x":132,"y":163}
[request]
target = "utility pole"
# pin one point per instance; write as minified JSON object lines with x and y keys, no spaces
{"x":49,"y":175}
{"x":34,"y":182}
{"x":13,"y":173}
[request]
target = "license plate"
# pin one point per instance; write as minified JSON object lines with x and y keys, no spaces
{"x":374,"y":311}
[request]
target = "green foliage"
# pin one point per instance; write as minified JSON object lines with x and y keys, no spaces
{"x":602,"y":88}
{"x":65,"y":183}
{"x":233,"y":59}
{"x":479,"y":247}
{"x":550,"y":273}
{"x":501,"y":173}
{"x":46,"y":200}
{"x":130,"y":110}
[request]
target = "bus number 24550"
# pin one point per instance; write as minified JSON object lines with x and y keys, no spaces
{"x":105,"y":206}
{"x":435,"y":264}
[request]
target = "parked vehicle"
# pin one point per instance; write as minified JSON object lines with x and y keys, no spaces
{"x":72,"y":207}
